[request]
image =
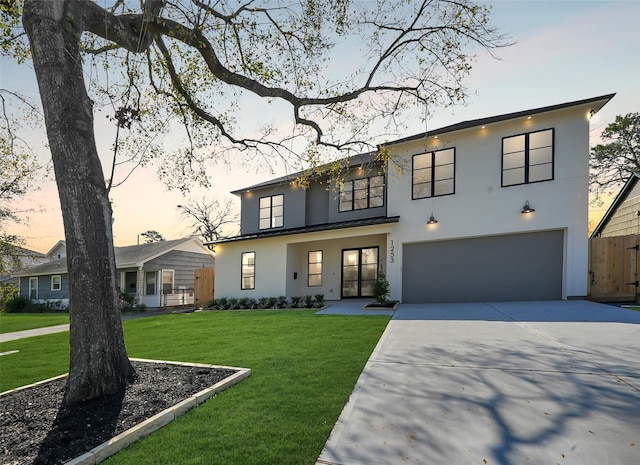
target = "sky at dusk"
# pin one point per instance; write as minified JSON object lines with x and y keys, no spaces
{"x":564,"y":51}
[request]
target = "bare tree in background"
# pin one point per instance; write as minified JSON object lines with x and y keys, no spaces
{"x":209,"y":218}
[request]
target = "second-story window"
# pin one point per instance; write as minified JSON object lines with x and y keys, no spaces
{"x":433,"y":174}
{"x":359,"y":194}
{"x":527,"y":158}
{"x":271,"y":212}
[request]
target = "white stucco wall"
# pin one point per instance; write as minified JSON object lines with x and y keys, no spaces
{"x":480,"y":206}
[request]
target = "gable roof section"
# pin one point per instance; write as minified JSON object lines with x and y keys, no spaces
{"x":126,"y":257}
{"x":55,"y":246}
{"x":621,"y":197}
{"x":595,"y":104}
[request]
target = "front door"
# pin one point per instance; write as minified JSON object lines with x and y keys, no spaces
{"x":359,"y":272}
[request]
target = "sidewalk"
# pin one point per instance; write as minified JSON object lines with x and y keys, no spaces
{"x":6,"y":337}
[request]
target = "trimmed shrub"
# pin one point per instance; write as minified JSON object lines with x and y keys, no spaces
{"x":16,"y":304}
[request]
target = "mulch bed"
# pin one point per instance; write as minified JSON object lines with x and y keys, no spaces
{"x":36,"y":429}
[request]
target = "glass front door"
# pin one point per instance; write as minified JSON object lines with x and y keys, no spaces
{"x":359,"y":272}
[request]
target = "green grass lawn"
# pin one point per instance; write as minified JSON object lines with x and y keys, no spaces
{"x":10,"y":322}
{"x":304,"y":367}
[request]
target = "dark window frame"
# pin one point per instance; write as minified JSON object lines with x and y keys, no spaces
{"x":309,"y":263}
{"x":432,"y":168}
{"x":352,"y":191}
{"x":271,"y":216}
{"x":527,"y":152}
{"x":252,"y":267}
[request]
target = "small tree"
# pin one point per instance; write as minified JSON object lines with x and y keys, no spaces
{"x":613,"y":161}
{"x":381,"y":290}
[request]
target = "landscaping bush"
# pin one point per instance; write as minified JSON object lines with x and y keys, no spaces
{"x":7,"y":291}
{"x":381,"y":289}
{"x":129,"y":303}
{"x":307,"y":301}
{"x":16,"y":304}
{"x":296,"y":301}
{"x":319,"y":300}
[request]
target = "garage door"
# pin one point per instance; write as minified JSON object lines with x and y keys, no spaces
{"x":486,"y":269}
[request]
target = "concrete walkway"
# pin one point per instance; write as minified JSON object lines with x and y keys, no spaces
{"x":6,"y":337}
{"x":499,"y":383}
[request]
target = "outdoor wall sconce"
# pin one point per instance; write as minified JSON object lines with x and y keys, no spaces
{"x":432,"y":220}
{"x":527,"y":208}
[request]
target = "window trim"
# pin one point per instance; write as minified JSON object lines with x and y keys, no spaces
{"x":33,"y":279}
{"x":433,"y":174}
{"x":527,"y":164}
{"x":173,"y":278}
{"x":271,"y":217}
{"x":155,"y":282}
{"x":59,"y":288}
{"x":249,"y":266}
{"x":368,"y":196}
{"x":309,"y":263}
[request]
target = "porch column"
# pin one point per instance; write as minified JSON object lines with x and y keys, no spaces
{"x":139,"y":284}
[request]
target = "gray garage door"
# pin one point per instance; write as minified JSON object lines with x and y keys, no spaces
{"x":487,"y":269}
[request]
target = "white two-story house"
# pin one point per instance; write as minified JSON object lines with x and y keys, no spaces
{"x":494,"y":209}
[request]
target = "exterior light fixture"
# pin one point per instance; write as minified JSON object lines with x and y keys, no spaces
{"x":432,"y":220}
{"x":527,"y":208}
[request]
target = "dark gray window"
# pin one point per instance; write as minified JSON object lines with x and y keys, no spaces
{"x":359,"y":194}
{"x":433,"y":174}
{"x":527,"y":158}
{"x":314,"y":268}
{"x":271,"y":212}
{"x":248,"y":271}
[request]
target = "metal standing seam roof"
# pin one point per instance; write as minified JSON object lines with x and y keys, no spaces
{"x":364,"y":157}
{"x":128,"y":256}
{"x":313,"y":228}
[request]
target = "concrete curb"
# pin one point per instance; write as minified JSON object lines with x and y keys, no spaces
{"x":126,"y":438}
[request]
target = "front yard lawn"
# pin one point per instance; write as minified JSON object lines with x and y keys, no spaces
{"x":10,"y":322}
{"x":304,"y":367}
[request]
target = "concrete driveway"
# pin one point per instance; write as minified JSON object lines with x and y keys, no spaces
{"x":497,"y":383}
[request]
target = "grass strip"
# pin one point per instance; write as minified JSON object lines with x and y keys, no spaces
{"x":304,"y":367}
{"x":10,"y":322}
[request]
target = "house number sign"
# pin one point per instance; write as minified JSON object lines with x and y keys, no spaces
{"x":392,"y":253}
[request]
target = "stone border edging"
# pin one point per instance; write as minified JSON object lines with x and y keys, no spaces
{"x":139,"y":431}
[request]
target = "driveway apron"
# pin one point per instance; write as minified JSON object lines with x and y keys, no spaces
{"x":497,"y":383}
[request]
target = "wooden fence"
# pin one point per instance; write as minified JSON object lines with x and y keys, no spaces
{"x":613,"y":268}
{"x":203,"y":289}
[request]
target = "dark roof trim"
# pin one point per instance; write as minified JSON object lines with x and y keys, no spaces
{"x":602,"y":100}
{"x":314,"y":228}
{"x":629,"y":185}
{"x":507,"y":116}
{"x":354,"y":160}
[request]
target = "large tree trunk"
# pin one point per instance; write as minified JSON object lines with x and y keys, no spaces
{"x":99,"y":364}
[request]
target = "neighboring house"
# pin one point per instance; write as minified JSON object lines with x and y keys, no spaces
{"x":623,"y":216}
{"x":59,"y":250}
{"x":451,"y":220}
{"x":26,"y":258}
{"x":158,"y":274}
